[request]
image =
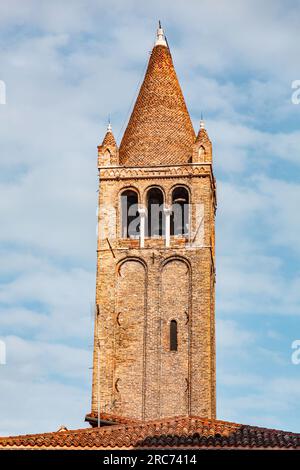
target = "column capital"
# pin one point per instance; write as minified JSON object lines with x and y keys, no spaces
{"x":142,"y":211}
{"x":167,"y":210}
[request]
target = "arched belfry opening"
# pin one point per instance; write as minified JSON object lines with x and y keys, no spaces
{"x":129,"y":214}
{"x":180,"y":211}
{"x":155,"y":213}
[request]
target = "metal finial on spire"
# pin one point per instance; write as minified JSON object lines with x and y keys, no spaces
{"x":202,"y":123}
{"x":109,"y":128}
{"x":160,"y":36}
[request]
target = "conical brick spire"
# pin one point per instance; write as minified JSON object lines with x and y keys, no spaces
{"x":160,"y":130}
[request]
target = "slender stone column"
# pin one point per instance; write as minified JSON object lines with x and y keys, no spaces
{"x":142,"y":213}
{"x":167,"y":212}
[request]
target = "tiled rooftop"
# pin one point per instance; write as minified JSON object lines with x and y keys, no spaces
{"x":180,"y":432}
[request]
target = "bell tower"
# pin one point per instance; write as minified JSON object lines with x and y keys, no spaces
{"x":154,"y":339}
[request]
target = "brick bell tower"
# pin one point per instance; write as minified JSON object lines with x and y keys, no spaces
{"x":154,"y":340}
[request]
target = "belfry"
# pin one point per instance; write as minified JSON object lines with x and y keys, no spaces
{"x":154,"y":342}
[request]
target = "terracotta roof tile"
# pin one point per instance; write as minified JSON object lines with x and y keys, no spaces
{"x":173,"y":432}
{"x":159,"y":131}
{"x":108,"y":417}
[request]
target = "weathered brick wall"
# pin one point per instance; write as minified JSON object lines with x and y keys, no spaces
{"x":174,"y":303}
{"x":129,"y":341}
{"x":135,"y":373}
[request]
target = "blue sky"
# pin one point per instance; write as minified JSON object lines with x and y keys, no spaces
{"x":67,"y":65}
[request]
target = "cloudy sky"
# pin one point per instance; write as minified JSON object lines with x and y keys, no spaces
{"x":66,"y":66}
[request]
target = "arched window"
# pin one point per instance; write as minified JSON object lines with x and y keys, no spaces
{"x":180,"y":212}
{"x":173,"y":335}
{"x":130,"y":214}
{"x":155,"y":212}
{"x":106,"y":157}
{"x":201,"y":153}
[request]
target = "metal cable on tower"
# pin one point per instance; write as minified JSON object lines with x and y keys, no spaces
{"x":160,"y":39}
{"x":133,"y":100}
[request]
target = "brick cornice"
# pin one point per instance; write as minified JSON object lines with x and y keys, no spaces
{"x":169,"y":171}
{"x":190,"y":170}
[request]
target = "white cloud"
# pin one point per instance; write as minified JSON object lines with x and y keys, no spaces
{"x":32,"y":407}
{"x":268,"y":405}
{"x":64,"y":301}
{"x":42,"y":385}
{"x":231,"y":337}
